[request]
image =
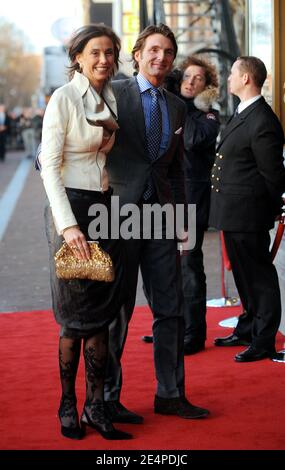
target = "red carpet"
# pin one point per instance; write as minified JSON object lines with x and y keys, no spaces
{"x":246,"y":401}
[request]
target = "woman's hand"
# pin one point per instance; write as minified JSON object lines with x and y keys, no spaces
{"x":77,"y":242}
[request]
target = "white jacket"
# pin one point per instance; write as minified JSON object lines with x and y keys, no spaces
{"x":70,"y":154}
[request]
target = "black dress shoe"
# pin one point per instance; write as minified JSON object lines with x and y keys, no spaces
{"x":179,"y":406}
{"x":193,"y":347}
{"x":252,"y":354}
{"x":231,"y":340}
{"x":147,"y":339}
{"x":119,"y":414}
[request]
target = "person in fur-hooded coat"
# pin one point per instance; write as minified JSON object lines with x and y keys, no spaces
{"x":196,"y":83}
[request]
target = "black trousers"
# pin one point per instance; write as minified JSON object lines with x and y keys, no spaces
{"x":160,"y":267}
{"x":2,"y":145}
{"x":194,"y":290}
{"x":258,"y":287}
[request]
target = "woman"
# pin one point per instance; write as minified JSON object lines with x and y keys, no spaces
{"x":78,"y":132}
{"x":198,"y":88}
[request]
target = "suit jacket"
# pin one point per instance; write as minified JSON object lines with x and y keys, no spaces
{"x":248,"y":176}
{"x":200,"y":133}
{"x":72,"y":153}
{"x":129,"y":166}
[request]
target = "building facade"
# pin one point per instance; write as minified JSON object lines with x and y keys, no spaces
{"x":221,"y":29}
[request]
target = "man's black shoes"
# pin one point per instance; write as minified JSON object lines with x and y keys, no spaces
{"x":193,"y":347}
{"x":252,"y":354}
{"x":119,"y":414}
{"x":231,"y":340}
{"x":179,"y":406}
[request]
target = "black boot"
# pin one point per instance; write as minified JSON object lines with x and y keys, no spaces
{"x":69,"y":353}
{"x":69,"y":420}
{"x":94,"y":414}
{"x":118,"y":413}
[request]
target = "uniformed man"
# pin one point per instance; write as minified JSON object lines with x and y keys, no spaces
{"x":248,"y":179}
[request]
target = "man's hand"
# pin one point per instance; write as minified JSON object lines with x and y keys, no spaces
{"x":183,"y":242}
{"x":186,"y":240}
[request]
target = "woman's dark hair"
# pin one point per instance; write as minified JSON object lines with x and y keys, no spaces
{"x":82,"y":36}
{"x":149,"y":31}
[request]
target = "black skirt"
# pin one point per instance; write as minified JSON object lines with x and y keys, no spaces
{"x":83,"y":307}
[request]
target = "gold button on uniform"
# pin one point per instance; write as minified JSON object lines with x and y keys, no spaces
{"x":217,"y":190}
{"x":212,"y":186}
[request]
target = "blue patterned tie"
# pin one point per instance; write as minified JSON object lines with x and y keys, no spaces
{"x":154,"y":136}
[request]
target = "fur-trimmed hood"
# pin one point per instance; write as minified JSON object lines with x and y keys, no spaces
{"x":205,"y":100}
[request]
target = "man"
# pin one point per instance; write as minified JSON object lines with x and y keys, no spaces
{"x":248,"y":179}
{"x":196,"y":83}
{"x":140,"y":176}
{"x":4,"y":130}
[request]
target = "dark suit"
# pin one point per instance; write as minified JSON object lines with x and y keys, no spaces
{"x":129,"y":168}
{"x":248,"y":179}
{"x":3,"y":137}
{"x":200,"y":133}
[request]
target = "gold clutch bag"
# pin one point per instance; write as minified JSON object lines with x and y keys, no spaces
{"x":98,"y":268}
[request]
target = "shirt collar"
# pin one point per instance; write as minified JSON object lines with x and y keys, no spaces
{"x":244,"y":104}
{"x":145,"y":85}
{"x":82,"y":84}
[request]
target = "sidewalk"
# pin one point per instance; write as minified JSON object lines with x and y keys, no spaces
{"x":24,"y":274}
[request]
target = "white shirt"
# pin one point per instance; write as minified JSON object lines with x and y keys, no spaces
{"x":244,"y":104}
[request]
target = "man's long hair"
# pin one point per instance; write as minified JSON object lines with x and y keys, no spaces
{"x":149,"y":31}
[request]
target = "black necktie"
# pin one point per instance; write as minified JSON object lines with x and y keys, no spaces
{"x":154,"y":136}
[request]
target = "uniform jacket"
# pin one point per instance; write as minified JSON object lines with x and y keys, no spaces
{"x":72,"y":154}
{"x":248,"y":175}
{"x":128,"y":164}
{"x":200,"y":133}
